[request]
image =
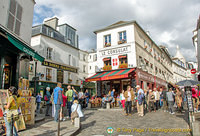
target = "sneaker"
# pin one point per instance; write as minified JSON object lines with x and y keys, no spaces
{"x":172,"y":113}
{"x":126,"y":114}
{"x":129,"y":114}
{"x":63,"y":119}
{"x":67,"y":117}
{"x":164,"y":110}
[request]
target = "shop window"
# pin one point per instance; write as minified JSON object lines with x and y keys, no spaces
{"x":156,"y":70}
{"x":107,"y":40}
{"x":14,"y":17}
{"x":49,"y":53}
{"x":30,"y":67}
{"x":122,"y":37}
{"x":48,"y":74}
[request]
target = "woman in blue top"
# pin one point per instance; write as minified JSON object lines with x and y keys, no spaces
{"x":38,"y":101}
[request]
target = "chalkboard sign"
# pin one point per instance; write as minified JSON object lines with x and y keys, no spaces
{"x":189,"y":98}
{"x":99,"y":90}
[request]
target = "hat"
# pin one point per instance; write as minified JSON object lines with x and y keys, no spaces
{"x":48,"y":88}
{"x":137,"y":86}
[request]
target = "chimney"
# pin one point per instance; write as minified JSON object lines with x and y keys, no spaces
{"x":52,"y":22}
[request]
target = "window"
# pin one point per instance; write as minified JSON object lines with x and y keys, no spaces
{"x":14,"y":17}
{"x":60,"y":76}
{"x":95,"y":57}
{"x":70,"y":59}
{"x":90,"y":56}
{"x":122,"y":36}
{"x":84,"y":56}
{"x":49,"y":53}
{"x":156,"y":70}
{"x":160,"y":71}
{"x":151,"y":65}
{"x":84,"y":68}
{"x":48,"y":74}
{"x":107,"y":40}
{"x":90,"y":67}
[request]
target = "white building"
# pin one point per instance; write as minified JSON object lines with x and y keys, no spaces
{"x":15,"y":36}
{"x":126,"y":55}
{"x":83,"y":64}
{"x":92,"y":63}
{"x":17,"y":16}
{"x":61,"y":58}
{"x":181,"y":68}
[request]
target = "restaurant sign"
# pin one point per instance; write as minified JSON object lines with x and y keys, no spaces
{"x":58,"y":66}
{"x":146,"y":77}
{"x":115,"y":51}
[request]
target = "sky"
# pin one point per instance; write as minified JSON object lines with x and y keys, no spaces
{"x":169,"y":22}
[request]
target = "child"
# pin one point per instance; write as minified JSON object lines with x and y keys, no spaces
{"x":38,"y":100}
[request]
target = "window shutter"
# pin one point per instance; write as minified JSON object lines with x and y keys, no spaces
{"x":19,"y":12}
{"x":10,"y":24}
{"x":12,"y":6}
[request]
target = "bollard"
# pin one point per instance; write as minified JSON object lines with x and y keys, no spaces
{"x":12,"y":125}
{"x":107,"y":105}
{"x":59,"y":123}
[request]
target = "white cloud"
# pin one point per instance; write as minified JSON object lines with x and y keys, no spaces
{"x":170,"y":22}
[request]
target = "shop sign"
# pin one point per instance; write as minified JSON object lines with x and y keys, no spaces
{"x":115,"y":51}
{"x":145,"y":77}
{"x":57,"y":66}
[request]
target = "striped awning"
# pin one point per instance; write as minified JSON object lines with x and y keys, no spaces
{"x":109,"y":75}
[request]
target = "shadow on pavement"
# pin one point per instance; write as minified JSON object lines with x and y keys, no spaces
{"x":51,"y":132}
{"x":85,"y":126}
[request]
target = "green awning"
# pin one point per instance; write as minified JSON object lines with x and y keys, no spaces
{"x":23,"y":47}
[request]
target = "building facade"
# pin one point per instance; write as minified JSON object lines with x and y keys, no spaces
{"x":15,"y":36}
{"x":92,"y":63}
{"x":61,"y":58}
{"x":126,"y":55}
{"x":196,"y":43}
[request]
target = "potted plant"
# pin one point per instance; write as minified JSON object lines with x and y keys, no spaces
{"x":124,"y":65}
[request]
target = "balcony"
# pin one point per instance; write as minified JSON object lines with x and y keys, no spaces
{"x":108,"y":67}
{"x":122,"y":41}
{"x":124,"y":65}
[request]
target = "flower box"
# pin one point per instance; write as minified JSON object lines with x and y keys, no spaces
{"x":107,"y":44}
{"x":145,"y":46}
{"x":105,"y":68}
{"x":123,"y":65}
{"x":70,"y":80}
{"x":122,"y":41}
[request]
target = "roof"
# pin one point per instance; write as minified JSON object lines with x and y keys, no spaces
{"x":117,"y":24}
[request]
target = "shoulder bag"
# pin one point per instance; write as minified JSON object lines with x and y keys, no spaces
{"x":75,"y":113}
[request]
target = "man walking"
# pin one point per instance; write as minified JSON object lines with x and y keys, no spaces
{"x":157,"y":97}
{"x":58,"y":101}
{"x":170,"y":99}
{"x":164,"y":94}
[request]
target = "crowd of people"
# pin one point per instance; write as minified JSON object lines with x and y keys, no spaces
{"x":148,"y":100}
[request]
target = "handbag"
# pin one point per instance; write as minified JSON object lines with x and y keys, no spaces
{"x":75,"y":113}
{"x":13,"y":113}
{"x":46,"y":98}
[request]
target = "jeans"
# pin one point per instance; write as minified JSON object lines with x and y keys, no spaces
{"x":128,"y":105}
{"x":57,"y":113}
{"x":161,"y":102}
{"x":47,"y":110}
{"x":8,"y":128}
{"x":157,"y":104}
{"x":69,"y":105}
{"x":87,"y":101}
{"x":171,"y":104}
{"x":38,"y":107}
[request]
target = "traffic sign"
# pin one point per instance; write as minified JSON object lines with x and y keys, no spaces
{"x":193,"y":71}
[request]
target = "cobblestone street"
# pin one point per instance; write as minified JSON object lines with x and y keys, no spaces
{"x":96,"y":122}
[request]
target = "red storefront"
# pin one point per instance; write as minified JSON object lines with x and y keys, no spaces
{"x":121,"y":78}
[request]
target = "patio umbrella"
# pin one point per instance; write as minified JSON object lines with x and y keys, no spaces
{"x":187,"y":83}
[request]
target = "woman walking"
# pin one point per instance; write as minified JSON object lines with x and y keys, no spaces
{"x":122,"y":98}
{"x":11,"y":105}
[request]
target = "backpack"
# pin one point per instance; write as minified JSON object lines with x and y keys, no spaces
{"x":46,"y":98}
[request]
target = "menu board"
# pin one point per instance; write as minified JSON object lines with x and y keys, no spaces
{"x":60,"y":76}
{"x":189,"y":99}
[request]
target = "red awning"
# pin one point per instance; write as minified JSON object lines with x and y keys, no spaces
{"x":109,"y":75}
{"x":122,"y":56}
